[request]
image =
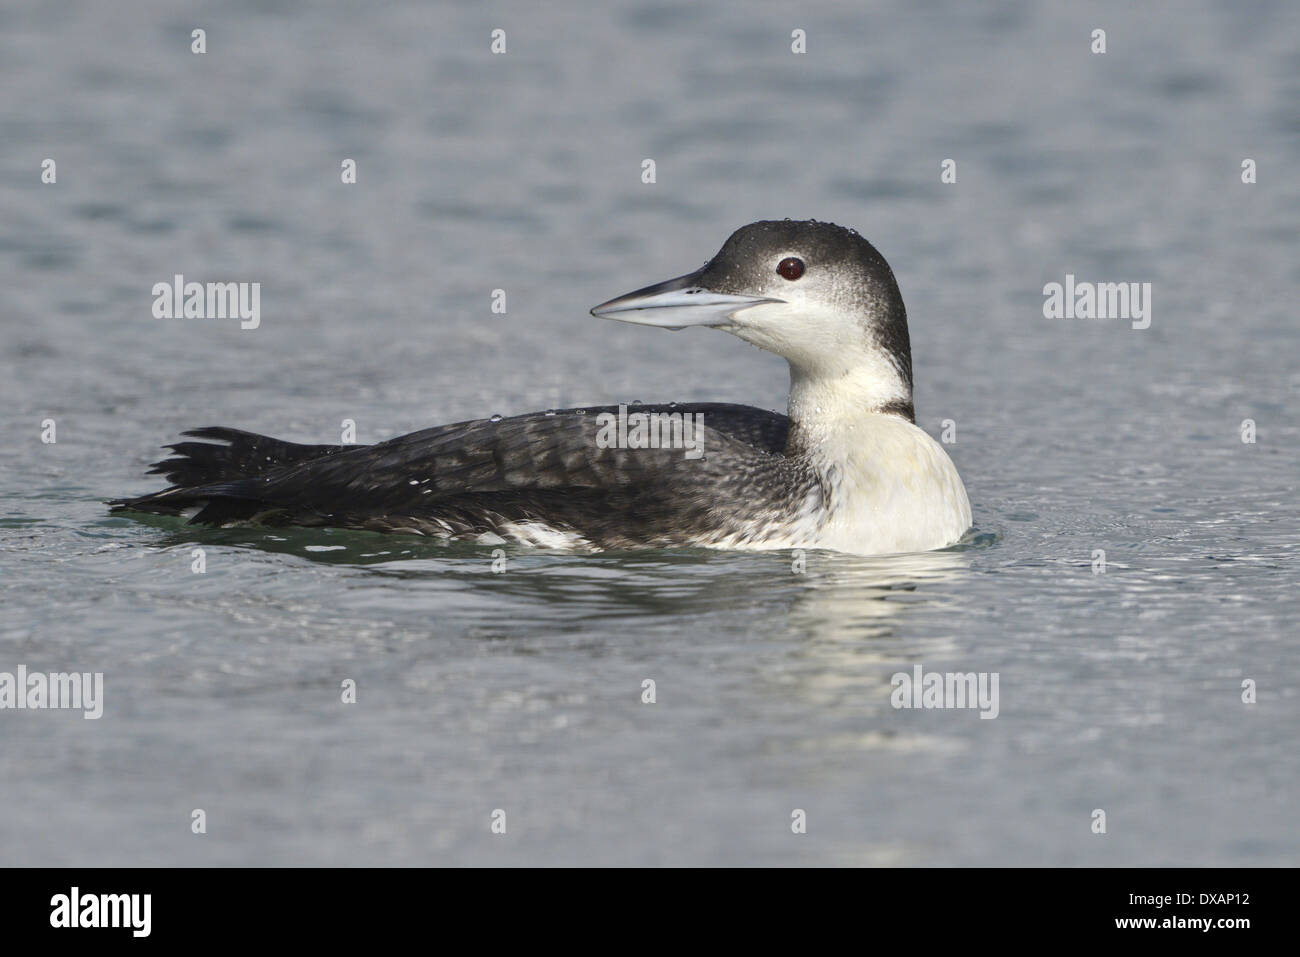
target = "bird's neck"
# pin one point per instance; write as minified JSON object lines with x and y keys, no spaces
{"x":885,"y":485}
{"x":824,"y":407}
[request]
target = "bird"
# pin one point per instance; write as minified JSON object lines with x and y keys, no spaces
{"x":846,"y":469}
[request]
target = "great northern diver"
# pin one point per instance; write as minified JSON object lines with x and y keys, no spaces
{"x":848,"y":470}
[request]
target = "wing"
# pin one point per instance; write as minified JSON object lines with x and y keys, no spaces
{"x":570,"y":467}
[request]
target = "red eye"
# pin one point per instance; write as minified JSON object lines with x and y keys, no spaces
{"x":790,"y":268}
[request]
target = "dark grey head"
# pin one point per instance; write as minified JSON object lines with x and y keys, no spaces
{"x":816,"y":293}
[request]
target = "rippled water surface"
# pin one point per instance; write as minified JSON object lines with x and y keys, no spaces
{"x":522,"y":691}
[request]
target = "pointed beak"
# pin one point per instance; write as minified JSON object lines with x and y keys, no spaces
{"x":676,"y":304}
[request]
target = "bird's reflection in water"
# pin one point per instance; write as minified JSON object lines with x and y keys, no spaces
{"x":859,"y":618}
{"x":794,"y":650}
{"x":849,"y":597}
{"x":825,"y":611}
{"x":826,"y":597}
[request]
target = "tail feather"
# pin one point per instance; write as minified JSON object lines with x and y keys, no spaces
{"x":227,"y":456}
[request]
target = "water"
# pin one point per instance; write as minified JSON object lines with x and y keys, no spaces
{"x":522,"y":690}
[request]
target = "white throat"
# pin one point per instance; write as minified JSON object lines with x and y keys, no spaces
{"x":836,"y":373}
{"x":889,"y":486}
{"x":884,"y":486}
{"x":825,"y":401}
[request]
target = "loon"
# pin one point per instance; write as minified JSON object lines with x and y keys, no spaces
{"x":848,"y":470}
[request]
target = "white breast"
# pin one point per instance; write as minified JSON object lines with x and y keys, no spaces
{"x":892,"y":488}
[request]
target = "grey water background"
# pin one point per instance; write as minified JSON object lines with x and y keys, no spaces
{"x":522,"y":690}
